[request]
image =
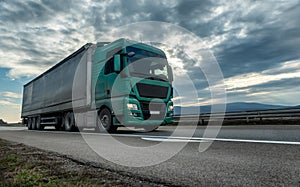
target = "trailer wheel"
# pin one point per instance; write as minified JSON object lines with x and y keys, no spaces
{"x":69,"y":122}
{"x":33,"y":120}
{"x":104,"y":121}
{"x":29,"y":124}
{"x":39,"y":126}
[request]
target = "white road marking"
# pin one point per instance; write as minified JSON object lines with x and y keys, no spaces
{"x":163,"y":138}
{"x":222,"y":140}
{"x":181,"y":139}
{"x":172,"y":140}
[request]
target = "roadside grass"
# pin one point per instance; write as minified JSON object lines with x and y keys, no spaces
{"x":26,"y":166}
{"x":24,"y":169}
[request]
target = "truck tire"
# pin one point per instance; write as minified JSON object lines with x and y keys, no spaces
{"x":33,"y":120}
{"x":69,"y":122}
{"x":29,"y":124}
{"x":104,"y":121}
{"x":150,"y":128}
{"x":39,"y":126}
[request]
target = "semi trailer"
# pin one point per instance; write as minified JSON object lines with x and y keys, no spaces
{"x":102,"y":86}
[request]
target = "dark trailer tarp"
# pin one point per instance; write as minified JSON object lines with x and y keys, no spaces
{"x":52,"y":90}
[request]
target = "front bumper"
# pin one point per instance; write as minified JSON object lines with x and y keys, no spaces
{"x":142,"y":116}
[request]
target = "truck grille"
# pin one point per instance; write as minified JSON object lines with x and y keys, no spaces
{"x":147,"y":108}
{"x":152,"y":91}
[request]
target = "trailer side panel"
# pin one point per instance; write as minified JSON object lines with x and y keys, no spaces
{"x":52,"y":90}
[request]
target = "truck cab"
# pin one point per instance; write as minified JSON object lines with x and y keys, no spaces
{"x":132,"y":86}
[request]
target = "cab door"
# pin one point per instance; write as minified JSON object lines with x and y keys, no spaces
{"x":109,"y":76}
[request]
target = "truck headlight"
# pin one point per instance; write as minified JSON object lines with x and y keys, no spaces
{"x":171,"y":108}
{"x":131,"y":106}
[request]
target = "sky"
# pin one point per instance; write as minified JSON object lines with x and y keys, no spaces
{"x":255,"y":43}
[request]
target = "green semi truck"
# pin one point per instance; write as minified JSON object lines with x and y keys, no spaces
{"x":102,"y":86}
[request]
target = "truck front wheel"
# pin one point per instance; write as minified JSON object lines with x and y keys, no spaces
{"x":150,"y":128}
{"x":104,"y":121}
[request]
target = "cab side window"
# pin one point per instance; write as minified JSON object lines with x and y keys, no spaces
{"x":109,"y":66}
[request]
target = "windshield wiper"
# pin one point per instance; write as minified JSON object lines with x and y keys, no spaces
{"x":157,"y":78}
{"x":147,"y":76}
{"x":142,"y":75}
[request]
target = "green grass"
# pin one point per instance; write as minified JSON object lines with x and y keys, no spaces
{"x":26,"y":166}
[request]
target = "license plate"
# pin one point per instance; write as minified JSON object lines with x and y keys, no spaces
{"x":154,"y":112}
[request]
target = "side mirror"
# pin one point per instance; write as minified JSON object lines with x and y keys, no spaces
{"x":170,"y":73}
{"x":117,"y":63}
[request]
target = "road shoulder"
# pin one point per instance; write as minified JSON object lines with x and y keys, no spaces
{"x":24,"y":165}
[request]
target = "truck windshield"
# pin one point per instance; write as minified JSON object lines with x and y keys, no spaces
{"x":146,"y":64}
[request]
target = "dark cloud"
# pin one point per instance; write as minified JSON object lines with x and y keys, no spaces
{"x":22,"y":12}
{"x":288,"y":83}
{"x":251,"y":36}
{"x":62,"y":5}
{"x":118,"y":13}
{"x":191,"y":15}
{"x":267,"y":44}
{"x":187,"y":8}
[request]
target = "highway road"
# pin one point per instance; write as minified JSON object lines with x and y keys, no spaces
{"x":238,"y":156}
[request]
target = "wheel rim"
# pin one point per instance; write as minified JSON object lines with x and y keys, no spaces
{"x":29,"y":124}
{"x":38,"y":123}
{"x":104,"y":121}
{"x":34,"y":124}
{"x":67,"y":123}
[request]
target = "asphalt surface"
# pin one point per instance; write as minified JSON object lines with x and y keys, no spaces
{"x":238,"y":156}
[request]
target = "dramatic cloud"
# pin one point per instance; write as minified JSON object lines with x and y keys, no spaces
{"x":255,"y":42}
{"x":35,"y":36}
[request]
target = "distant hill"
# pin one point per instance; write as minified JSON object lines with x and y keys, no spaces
{"x":230,"y":107}
{"x":2,"y":122}
{"x":296,"y":106}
